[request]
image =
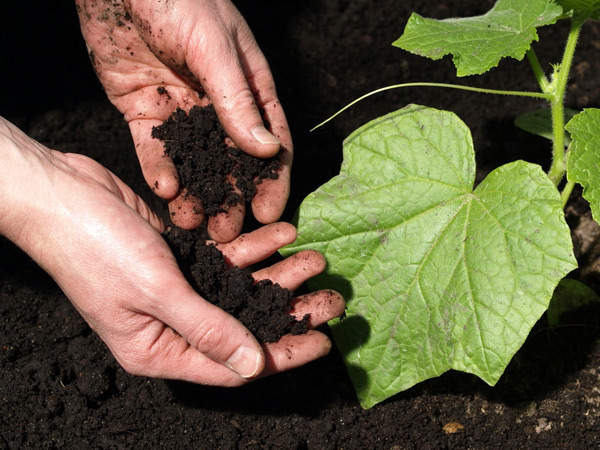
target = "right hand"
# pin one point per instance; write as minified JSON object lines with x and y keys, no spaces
{"x":140,"y":48}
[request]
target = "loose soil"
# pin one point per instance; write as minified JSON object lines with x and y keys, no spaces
{"x":61,"y":388}
{"x":207,"y":164}
{"x":211,"y":169}
{"x":263,"y":307}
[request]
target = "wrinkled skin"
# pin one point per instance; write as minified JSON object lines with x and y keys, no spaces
{"x":102,"y":245}
{"x":187,"y":47}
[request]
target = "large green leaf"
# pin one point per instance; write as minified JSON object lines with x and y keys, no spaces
{"x":478,"y":43}
{"x":436,"y":275}
{"x":583,"y":166}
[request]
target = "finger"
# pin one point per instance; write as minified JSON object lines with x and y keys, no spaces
{"x":294,"y":270}
{"x":321,"y":306}
{"x":272,"y":194}
{"x":227,"y":225}
{"x":262,"y":85}
{"x":269,"y":202}
{"x":251,"y":248}
{"x":294,"y":351}
{"x":226,"y":83}
{"x":209,"y":330}
{"x":158,"y":169}
{"x":145,"y":109}
{"x":186,"y":211}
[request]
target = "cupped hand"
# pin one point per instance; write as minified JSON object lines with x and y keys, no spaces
{"x":153,"y":57}
{"x":102,"y":245}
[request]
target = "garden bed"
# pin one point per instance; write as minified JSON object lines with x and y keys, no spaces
{"x":61,"y":388}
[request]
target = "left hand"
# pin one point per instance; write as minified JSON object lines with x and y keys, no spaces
{"x":186,"y":47}
{"x":102,"y":245}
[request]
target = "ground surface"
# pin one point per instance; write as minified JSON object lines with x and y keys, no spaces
{"x":61,"y":388}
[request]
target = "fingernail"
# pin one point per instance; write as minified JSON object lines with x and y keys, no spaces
{"x":262,"y":135}
{"x":245,"y":362}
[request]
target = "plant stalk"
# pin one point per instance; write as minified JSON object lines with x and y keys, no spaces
{"x":560,"y":79}
{"x":566,"y":193}
{"x":540,"y":76}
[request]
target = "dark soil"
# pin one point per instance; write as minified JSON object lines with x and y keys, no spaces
{"x":206,"y":164}
{"x":61,"y":388}
{"x":263,"y":306}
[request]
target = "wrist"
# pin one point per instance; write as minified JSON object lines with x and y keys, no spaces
{"x":21,"y":172}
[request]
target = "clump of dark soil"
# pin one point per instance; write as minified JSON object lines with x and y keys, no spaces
{"x":263,"y":306}
{"x":207,"y":165}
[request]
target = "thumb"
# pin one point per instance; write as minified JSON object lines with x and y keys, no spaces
{"x":235,"y":84}
{"x":212,"y":332}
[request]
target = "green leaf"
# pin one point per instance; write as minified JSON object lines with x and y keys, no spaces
{"x":569,"y":295}
{"x":590,"y":8}
{"x":539,"y":122}
{"x":436,"y":275}
{"x":583,"y":165}
{"x":478,"y":43}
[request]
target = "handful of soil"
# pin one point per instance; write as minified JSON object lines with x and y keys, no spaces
{"x":207,"y":166}
{"x":263,"y":306}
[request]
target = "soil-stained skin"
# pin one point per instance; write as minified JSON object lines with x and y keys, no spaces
{"x":123,"y":35}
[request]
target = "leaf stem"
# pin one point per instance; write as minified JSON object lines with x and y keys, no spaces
{"x":560,"y":79}
{"x":566,"y":193}
{"x":542,"y":95}
{"x":540,"y":76}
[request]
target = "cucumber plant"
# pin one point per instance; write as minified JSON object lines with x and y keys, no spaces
{"x":439,"y":274}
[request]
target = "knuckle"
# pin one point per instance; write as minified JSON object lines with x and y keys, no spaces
{"x":207,"y":336}
{"x":242,"y":99}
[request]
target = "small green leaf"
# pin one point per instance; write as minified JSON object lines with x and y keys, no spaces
{"x":539,"y":122}
{"x":569,"y":295}
{"x":591,"y":8}
{"x":583,"y":165}
{"x":478,"y":43}
{"x":436,"y":275}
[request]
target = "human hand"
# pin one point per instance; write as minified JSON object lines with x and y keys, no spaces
{"x":102,"y":245}
{"x":185,"y":47}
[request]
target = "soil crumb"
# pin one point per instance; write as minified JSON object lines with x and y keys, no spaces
{"x":218,"y":174}
{"x":262,"y":306}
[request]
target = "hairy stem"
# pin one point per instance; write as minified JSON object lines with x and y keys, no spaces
{"x":540,"y":76}
{"x":561,"y":77}
{"x":566,"y":193}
